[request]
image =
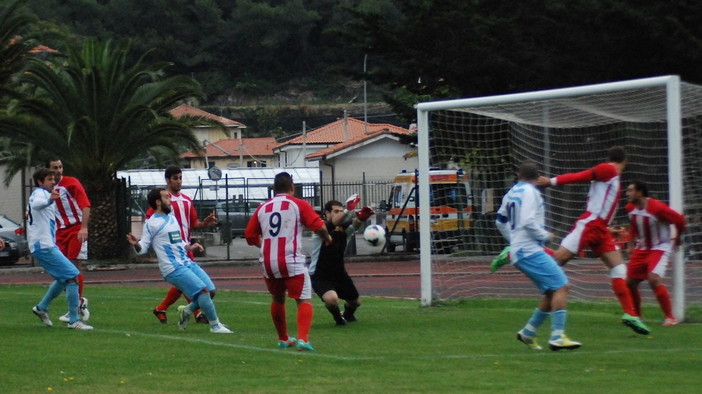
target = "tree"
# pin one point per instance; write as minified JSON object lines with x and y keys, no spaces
{"x":457,"y":48}
{"x":96,"y":112}
{"x":13,"y":49}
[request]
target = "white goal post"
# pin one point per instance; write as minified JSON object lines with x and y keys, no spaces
{"x":651,"y":115}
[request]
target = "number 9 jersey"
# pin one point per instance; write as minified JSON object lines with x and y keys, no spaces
{"x":277,"y":227}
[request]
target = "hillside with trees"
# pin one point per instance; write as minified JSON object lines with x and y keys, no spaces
{"x":250,"y":54}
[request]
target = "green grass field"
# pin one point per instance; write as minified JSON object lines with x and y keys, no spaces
{"x":396,"y":346}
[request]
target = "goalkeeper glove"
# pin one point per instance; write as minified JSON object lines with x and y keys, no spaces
{"x":352,"y":202}
{"x":364,"y":214}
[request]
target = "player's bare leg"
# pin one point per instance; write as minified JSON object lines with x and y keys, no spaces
{"x":562,"y":255}
{"x":331,"y":302}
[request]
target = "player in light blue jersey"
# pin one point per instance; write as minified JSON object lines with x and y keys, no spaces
{"x":520,"y":219}
{"x":41,"y":236}
{"x":162,"y":232}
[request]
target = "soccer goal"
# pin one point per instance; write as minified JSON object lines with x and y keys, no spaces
{"x":659,"y":122}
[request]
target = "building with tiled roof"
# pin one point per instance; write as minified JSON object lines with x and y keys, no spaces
{"x":348,"y":149}
{"x":208,"y":133}
{"x":235,"y":153}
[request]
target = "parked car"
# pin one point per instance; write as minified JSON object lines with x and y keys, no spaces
{"x":234,"y":216}
{"x":15,"y":241}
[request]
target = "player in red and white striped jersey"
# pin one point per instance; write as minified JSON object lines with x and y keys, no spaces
{"x":186,"y":215}
{"x":591,"y":229}
{"x":276,"y":227}
{"x":649,"y":225}
{"x":72,"y":217}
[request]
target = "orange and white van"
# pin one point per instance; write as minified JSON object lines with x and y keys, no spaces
{"x":450,"y":208}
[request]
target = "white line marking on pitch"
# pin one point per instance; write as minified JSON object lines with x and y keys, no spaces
{"x":288,"y":352}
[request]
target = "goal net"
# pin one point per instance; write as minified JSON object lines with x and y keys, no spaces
{"x":657,"y":120}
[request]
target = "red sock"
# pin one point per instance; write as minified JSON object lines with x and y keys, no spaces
{"x":636,"y":299}
{"x":279,"y":320}
{"x":170,"y":299}
{"x":663,"y":298}
{"x":305,"y":312}
{"x":81,"y":280}
{"x":623,"y":295}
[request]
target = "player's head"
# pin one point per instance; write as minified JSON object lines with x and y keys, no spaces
{"x":332,"y":208}
{"x":528,"y":171}
{"x":636,"y":191}
{"x":44,"y":178}
{"x":54,"y":164}
{"x":283,"y":183}
{"x":159,"y":200}
{"x":174,"y":179}
{"x":616,"y":154}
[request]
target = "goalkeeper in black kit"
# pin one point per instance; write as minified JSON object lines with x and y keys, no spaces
{"x":330,"y":280}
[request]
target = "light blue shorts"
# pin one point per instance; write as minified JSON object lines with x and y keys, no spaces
{"x":191,"y":280}
{"x":56,"y":264}
{"x":543,"y":270}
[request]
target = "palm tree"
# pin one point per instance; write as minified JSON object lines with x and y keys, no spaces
{"x":96,"y":113}
{"x":13,"y":49}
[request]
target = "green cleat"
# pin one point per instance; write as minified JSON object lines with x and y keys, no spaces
{"x":286,"y":344}
{"x":502,"y":259}
{"x":529,"y":341}
{"x":303,"y":346}
{"x":635,"y":323}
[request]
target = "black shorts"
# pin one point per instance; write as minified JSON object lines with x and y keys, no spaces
{"x":343,"y":286}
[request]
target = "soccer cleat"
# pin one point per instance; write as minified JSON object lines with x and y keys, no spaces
{"x":502,"y":259}
{"x":220,"y":329}
{"x":340,"y":321}
{"x":201,"y":318}
{"x":83,"y":309}
{"x":183,"y":317}
{"x":161,"y":316}
{"x":43,"y":316}
{"x":635,"y":323}
{"x":563,"y":343}
{"x":669,"y":321}
{"x":529,"y":341}
{"x":303,"y":346}
{"x":349,"y":317}
{"x":79,"y":325}
{"x":286,"y":344}
{"x":83,"y":312}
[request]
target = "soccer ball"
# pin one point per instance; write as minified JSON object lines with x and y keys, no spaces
{"x":374,"y":235}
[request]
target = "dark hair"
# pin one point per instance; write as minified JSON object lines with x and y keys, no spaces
{"x":154,"y":195}
{"x":528,"y":171}
{"x":283,"y":183}
{"x":330,"y":204}
{"x":616,"y":154}
{"x":41,"y":174}
{"x":48,"y":161}
{"x":641,"y":186}
{"x":172,"y":170}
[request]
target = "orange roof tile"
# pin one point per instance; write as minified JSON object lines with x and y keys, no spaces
{"x":230,"y":147}
{"x":343,"y":130}
{"x":358,"y":140}
{"x":185,"y":109}
{"x":42,"y":49}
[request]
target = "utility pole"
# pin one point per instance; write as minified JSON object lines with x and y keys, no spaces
{"x":365,"y":101}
